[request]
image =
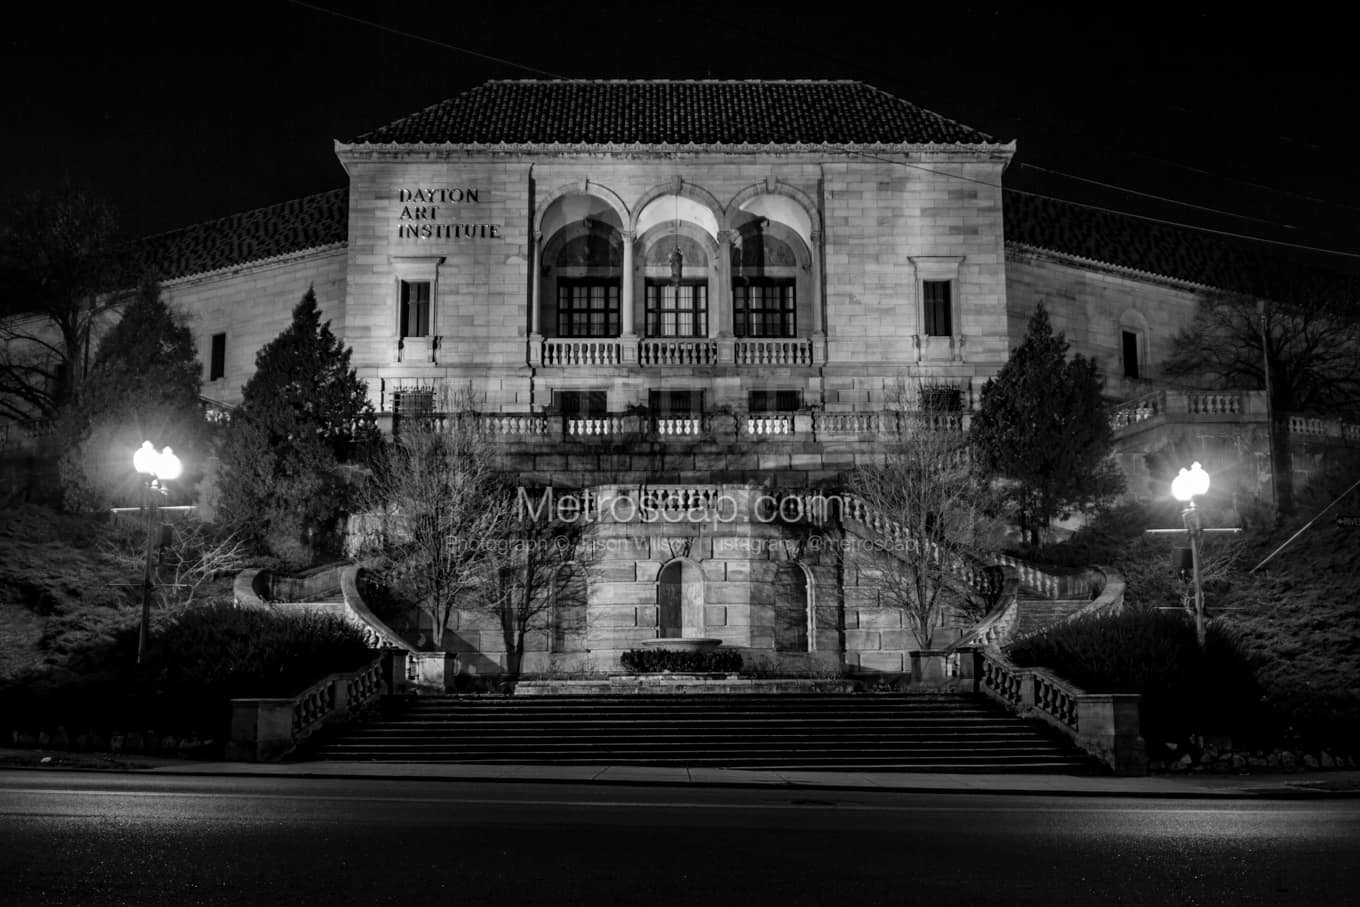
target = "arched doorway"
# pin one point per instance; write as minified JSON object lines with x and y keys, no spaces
{"x":680,"y":601}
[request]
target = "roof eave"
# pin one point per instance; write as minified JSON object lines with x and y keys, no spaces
{"x":359,"y":150}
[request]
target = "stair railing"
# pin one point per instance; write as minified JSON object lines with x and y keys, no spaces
{"x":267,"y":730}
{"x":1106,"y":725}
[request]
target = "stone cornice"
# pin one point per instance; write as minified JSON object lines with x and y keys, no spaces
{"x":366,"y":150}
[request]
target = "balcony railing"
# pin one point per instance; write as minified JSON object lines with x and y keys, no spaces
{"x":677,"y":352}
{"x":658,"y":352}
{"x":574,"y":353}
{"x":792,"y":351}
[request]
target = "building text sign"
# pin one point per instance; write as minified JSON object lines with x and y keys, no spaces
{"x":432,"y":212}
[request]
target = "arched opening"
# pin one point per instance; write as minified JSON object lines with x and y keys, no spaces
{"x":771,"y":292}
{"x":791,"y":609}
{"x":680,"y":601}
{"x":582,"y":269}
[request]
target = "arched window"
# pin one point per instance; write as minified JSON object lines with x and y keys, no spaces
{"x":677,"y":309}
{"x":790,"y":608}
{"x":764,"y":283}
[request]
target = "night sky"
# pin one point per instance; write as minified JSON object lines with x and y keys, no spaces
{"x":178,"y":115}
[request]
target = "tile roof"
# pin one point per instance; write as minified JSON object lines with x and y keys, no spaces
{"x":671,"y":113}
{"x":1178,"y":253}
{"x":303,"y":223}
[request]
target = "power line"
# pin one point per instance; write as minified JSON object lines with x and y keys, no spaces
{"x":1226,"y":233}
{"x":1154,"y":197}
{"x":415,"y":37}
{"x":1159,"y":220}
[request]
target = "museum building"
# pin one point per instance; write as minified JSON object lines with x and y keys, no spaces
{"x":679,"y":291}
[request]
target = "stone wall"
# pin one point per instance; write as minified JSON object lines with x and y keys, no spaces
{"x":252,"y":305}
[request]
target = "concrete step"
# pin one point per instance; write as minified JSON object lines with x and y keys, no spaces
{"x":869,"y":732}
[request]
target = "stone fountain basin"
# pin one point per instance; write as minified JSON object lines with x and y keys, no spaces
{"x":682,"y":644}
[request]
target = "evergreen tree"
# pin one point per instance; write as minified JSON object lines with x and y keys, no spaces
{"x":303,"y":414}
{"x":143,"y":386}
{"x":1041,"y":427}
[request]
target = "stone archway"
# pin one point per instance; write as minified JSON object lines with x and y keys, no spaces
{"x":680,"y":601}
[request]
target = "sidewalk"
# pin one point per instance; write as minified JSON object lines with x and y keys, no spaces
{"x":1285,"y":785}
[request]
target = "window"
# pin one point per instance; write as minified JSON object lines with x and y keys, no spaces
{"x":587,"y":308}
{"x":941,"y":398}
{"x":675,"y":404}
{"x":415,"y":290}
{"x":217,"y":362}
{"x":415,"y":308}
{"x":677,"y":311}
{"x":937,"y":307}
{"x":774,"y":401}
{"x":764,"y":307}
{"x":412,"y":408}
{"x":1130,"y":354}
{"x":581,"y":404}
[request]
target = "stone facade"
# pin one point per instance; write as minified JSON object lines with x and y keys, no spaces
{"x":737,"y":312}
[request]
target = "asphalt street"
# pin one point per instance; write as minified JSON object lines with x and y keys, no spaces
{"x":124,"y":838}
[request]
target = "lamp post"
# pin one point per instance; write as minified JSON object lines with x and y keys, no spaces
{"x":156,"y":469}
{"x":1188,"y":485}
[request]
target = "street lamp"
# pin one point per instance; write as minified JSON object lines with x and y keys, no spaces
{"x":1188,"y":485}
{"x":156,"y":468}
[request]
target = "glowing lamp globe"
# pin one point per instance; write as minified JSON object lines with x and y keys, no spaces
{"x":168,"y":466}
{"x":144,"y":460}
{"x":1190,"y":483}
{"x":163,"y":465}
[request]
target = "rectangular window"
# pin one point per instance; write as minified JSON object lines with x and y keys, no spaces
{"x":412,"y":408}
{"x":415,"y":308}
{"x":774,"y":401}
{"x":677,"y":311}
{"x":675,"y":404}
{"x":1130,"y":354}
{"x":581,"y":404}
{"x":764,"y":308}
{"x":587,"y":308}
{"x":941,"y":398}
{"x":217,"y":361}
{"x":936,"y":302}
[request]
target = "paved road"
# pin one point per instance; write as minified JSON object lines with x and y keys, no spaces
{"x":99,"y":838}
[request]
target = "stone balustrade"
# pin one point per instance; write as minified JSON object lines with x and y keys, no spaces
{"x":677,"y":352}
{"x":1172,"y":405}
{"x":767,"y":425}
{"x":266,"y":730}
{"x":789,"y":351}
{"x":1106,"y":725}
{"x":563,"y":353}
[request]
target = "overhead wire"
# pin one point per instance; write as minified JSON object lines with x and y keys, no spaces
{"x":1144,"y":217}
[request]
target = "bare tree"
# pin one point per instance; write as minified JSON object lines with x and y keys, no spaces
{"x":924,"y":485}
{"x":529,"y":579}
{"x":193,"y":556}
{"x":443,"y":511}
{"x":58,"y":270}
{"x":1313,"y":353}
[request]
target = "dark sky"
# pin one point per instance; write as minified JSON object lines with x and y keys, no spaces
{"x":179,"y":115}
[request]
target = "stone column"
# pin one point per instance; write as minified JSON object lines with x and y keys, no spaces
{"x":627,"y":330}
{"x":726,"y":341}
{"x":535,"y":300}
{"x":818,"y":330}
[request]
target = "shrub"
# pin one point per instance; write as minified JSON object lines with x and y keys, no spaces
{"x":652,"y":661}
{"x":1154,"y":653}
{"x":198,"y":661}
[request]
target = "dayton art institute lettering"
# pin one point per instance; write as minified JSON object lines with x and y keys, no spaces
{"x":420,"y":216}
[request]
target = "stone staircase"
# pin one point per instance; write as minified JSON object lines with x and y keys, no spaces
{"x":1036,"y":613}
{"x":819,"y":731}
